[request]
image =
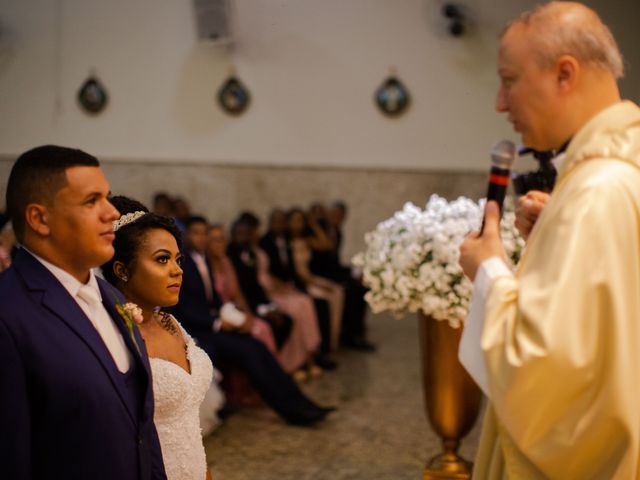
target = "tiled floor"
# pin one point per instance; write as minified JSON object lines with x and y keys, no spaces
{"x":379,"y":432}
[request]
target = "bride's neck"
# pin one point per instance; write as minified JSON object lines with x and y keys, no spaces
{"x":147,"y":311}
{"x":147,"y":314}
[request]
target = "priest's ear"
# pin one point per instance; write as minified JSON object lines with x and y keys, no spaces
{"x":568,"y":72}
{"x":38,"y":219}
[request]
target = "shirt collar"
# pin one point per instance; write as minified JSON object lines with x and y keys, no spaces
{"x":68,"y":281}
{"x":560,"y":154}
{"x":558,"y":160}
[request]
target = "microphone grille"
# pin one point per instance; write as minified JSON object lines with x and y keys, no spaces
{"x":503,"y":154}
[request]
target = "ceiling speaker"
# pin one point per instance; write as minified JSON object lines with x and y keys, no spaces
{"x":213,"y":20}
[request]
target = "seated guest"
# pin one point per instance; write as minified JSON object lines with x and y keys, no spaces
{"x":322,"y":246}
{"x":354,"y":327}
{"x":146,"y":269}
{"x":162,"y":204}
{"x":336,"y":216}
{"x":236,"y":384}
{"x":305,"y":236}
{"x":5,"y":258}
{"x":199,"y":311}
{"x":282,"y":279}
{"x":298,"y":354}
{"x":8,"y":242}
{"x":226,"y":284}
{"x":181,"y":213}
{"x":325,"y":241}
{"x":277,"y":245}
{"x":5,"y":245}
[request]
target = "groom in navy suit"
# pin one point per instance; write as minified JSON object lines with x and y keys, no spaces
{"x":75,"y":385}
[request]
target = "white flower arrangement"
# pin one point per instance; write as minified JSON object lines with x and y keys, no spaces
{"x":411,"y":260}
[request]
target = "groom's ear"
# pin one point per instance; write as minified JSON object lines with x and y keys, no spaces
{"x":37,"y":218}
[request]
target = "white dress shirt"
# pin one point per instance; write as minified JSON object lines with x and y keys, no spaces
{"x":89,"y":299}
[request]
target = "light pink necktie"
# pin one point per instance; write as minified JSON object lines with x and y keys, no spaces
{"x":204,"y":273}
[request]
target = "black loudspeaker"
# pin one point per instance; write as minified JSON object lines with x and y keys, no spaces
{"x":213,"y":20}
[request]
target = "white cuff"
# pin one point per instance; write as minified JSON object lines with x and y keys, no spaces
{"x":470,"y":350}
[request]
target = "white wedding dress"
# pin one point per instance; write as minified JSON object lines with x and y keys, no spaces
{"x":177,"y":395}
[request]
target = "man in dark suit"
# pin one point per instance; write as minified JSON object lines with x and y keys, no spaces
{"x":354,"y":326}
{"x":278,"y":248}
{"x":276,"y":244}
{"x":75,"y":385}
{"x":243,"y":256}
{"x":198,"y":311}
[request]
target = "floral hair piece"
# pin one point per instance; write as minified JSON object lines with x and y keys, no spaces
{"x":127,"y":219}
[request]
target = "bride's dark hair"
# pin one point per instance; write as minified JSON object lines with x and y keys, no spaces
{"x":129,"y":237}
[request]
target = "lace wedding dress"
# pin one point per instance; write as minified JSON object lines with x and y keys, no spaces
{"x":178,"y":394}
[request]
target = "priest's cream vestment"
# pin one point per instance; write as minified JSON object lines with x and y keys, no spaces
{"x":556,"y":347}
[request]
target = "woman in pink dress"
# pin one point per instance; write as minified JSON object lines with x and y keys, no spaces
{"x":298,"y":351}
{"x":226,"y":284}
{"x":302,"y":237}
{"x":298,"y":354}
{"x":236,"y":384}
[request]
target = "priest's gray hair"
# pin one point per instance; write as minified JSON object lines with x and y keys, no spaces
{"x":570,"y":28}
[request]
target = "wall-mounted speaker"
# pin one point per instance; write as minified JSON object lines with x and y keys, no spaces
{"x":213,"y":20}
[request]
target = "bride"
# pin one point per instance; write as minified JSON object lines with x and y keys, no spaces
{"x":146,"y":268}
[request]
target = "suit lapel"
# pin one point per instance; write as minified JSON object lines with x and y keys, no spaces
{"x":110,"y":297}
{"x":57,"y":300}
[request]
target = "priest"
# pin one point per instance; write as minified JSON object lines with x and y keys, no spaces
{"x":555,"y":345}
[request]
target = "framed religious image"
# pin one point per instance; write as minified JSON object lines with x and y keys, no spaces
{"x":392,"y":97}
{"x":93,"y":96}
{"x":233,"y":96}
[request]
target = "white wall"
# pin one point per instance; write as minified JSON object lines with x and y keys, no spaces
{"x":311,"y":65}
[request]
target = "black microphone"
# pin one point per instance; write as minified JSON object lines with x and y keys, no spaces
{"x":503,"y":155}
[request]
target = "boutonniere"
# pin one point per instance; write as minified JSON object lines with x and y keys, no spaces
{"x":132,"y":316}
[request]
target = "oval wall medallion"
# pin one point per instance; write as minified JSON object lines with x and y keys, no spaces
{"x":93,"y":96}
{"x":392,"y":98}
{"x":233,"y":96}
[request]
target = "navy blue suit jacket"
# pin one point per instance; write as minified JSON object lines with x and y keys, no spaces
{"x":194,"y":310}
{"x":64,"y":408}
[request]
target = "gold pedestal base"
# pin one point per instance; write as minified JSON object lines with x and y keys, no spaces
{"x":448,"y":466}
{"x":451,"y":396}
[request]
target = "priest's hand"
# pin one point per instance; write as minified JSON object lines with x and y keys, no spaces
{"x":476,"y":248}
{"x":528,"y":210}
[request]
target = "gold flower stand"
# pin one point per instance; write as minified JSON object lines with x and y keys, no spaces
{"x":452,"y":398}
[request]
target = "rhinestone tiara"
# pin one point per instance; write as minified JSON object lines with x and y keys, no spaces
{"x":127,"y":219}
